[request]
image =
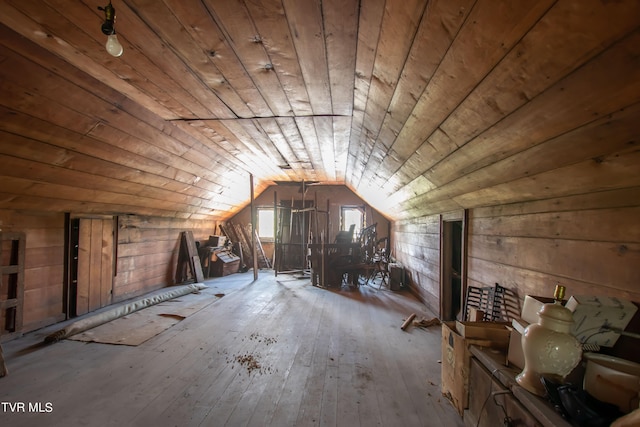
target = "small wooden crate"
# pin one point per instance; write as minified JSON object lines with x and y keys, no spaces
{"x":226,"y":263}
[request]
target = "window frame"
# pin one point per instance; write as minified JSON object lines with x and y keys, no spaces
{"x":259,"y":210}
{"x":358,"y":227}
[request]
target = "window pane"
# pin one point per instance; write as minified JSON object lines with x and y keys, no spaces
{"x":351,"y":216}
{"x":265,"y":223}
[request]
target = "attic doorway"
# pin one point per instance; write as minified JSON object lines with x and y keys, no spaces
{"x":453,"y":271}
{"x":90,"y":264}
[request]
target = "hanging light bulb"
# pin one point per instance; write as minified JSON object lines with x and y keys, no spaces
{"x":108,"y":28}
{"x":113,"y":45}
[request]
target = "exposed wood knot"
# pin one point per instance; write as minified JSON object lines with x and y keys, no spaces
{"x":623,"y":249}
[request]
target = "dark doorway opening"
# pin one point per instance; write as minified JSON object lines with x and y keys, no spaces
{"x":452,"y":267}
{"x":71,"y":273}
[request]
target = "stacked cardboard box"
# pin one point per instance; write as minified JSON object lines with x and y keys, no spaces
{"x":456,"y":358}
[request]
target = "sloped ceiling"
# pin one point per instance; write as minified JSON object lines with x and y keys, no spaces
{"x":417,"y":106}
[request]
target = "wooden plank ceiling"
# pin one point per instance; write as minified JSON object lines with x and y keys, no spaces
{"x":418,"y":106}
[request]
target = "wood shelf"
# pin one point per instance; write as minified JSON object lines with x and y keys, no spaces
{"x":530,"y":409}
{"x":12,"y":257}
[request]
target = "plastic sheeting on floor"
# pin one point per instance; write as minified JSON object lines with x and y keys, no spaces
{"x":122,"y":310}
{"x":139,"y":327}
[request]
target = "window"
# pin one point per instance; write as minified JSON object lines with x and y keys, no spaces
{"x":351,"y":215}
{"x":265,"y":223}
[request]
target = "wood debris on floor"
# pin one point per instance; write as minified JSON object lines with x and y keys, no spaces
{"x":251,"y":361}
{"x":424,"y":323}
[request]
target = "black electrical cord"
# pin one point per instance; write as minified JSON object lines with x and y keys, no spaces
{"x":493,"y":394}
{"x":507,"y":419}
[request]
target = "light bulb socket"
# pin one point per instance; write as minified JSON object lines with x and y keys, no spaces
{"x":107,"y":28}
{"x":558,"y":294}
{"x":109,"y":19}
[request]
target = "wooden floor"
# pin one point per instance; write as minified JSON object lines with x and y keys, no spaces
{"x":275,"y":352}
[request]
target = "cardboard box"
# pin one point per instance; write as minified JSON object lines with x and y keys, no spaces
{"x":456,"y":361}
{"x":475,"y":314}
{"x":591,"y":313}
{"x":531,"y":307}
{"x":496,"y":332}
{"x":217,"y":241}
{"x":515,"y":355}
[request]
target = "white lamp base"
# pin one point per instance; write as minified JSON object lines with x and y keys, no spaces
{"x":531,"y":382}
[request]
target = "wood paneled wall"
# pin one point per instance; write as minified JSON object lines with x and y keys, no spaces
{"x":44,"y":264}
{"x":416,"y":246}
{"x":589,"y":243}
{"x":146,"y":258}
{"x":148,"y":252}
